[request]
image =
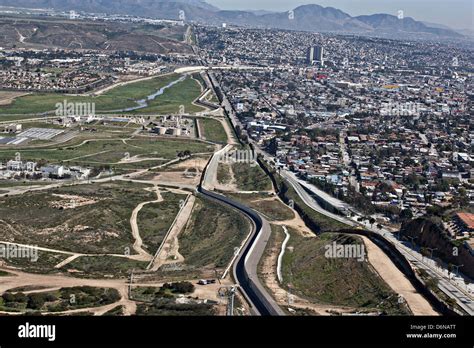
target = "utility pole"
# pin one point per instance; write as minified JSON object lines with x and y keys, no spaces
{"x":230,"y":303}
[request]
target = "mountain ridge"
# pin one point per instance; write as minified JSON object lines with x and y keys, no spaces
{"x":311,"y":17}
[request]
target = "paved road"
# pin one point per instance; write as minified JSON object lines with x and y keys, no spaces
{"x":246,"y":265}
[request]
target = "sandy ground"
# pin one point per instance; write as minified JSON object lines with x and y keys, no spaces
{"x":7,"y":98}
{"x":58,"y":281}
{"x":180,"y":173}
{"x":177,"y":178}
{"x":231,"y":185}
{"x":55,"y":282}
{"x":198,"y":163}
{"x":396,"y":280}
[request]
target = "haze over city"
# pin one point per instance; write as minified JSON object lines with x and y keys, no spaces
{"x":457,"y":14}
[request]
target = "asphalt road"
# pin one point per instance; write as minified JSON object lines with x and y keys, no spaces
{"x":246,"y":265}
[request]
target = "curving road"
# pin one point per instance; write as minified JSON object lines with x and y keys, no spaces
{"x":246,"y":265}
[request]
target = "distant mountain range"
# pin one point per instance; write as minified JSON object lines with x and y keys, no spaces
{"x":306,"y":18}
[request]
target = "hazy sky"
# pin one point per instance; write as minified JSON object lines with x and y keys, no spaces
{"x":457,"y":14}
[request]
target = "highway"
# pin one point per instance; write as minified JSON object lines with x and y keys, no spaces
{"x":451,"y":287}
{"x":245,"y":267}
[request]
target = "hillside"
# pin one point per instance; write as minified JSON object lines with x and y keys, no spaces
{"x":305,"y":18}
{"x":430,"y":234}
{"x":91,"y":35}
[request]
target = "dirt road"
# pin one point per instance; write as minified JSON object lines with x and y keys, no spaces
{"x":397,"y":280}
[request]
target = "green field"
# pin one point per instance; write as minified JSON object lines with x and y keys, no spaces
{"x":183,"y":93}
{"x":118,"y":98}
{"x":213,"y":130}
{"x":109,"y":152}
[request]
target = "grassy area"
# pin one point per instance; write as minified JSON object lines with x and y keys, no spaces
{"x":109,"y":152}
{"x":212,"y":234}
{"x":162,"y":301}
{"x":4,"y":274}
{"x":92,"y":218}
{"x":168,"y":290}
{"x":251,"y":178}
{"x":154,"y":220}
{"x":200,"y":79}
{"x":266,"y":204}
{"x":169,"y":307}
{"x":223,"y":173}
{"x":183,"y":93}
{"x":115,"y":312}
{"x":121,"y":97}
{"x":59,"y":301}
{"x":213,"y":130}
{"x":336,"y":281}
{"x":104,"y":266}
{"x":44,"y":265}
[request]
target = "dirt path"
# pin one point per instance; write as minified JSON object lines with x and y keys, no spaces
{"x":169,"y":250}
{"x":67,"y":261}
{"x":138,"y":245}
{"x":7,"y":98}
{"x":283,"y":297}
{"x":21,"y":279}
{"x":397,"y":280}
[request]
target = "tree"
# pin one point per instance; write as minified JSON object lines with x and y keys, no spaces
{"x":406,"y":215}
{"x":8,"y":297}
{"x":35,"y":301}
{"x":432,"y":283}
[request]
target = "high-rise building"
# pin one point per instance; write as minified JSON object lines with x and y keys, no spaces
{"x":315,"y":54}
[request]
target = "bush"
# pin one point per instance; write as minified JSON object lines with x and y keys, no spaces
{"x":180,"y":288}
{"x":21,"y":297}
{"x":35,"y":301}
{"x":7,"y":297}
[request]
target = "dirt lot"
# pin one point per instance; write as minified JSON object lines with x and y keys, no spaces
{"x":396,"y":280}
{"x":7,"y":98}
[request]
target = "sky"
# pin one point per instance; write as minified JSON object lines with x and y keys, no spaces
{"x":457,"y":14}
